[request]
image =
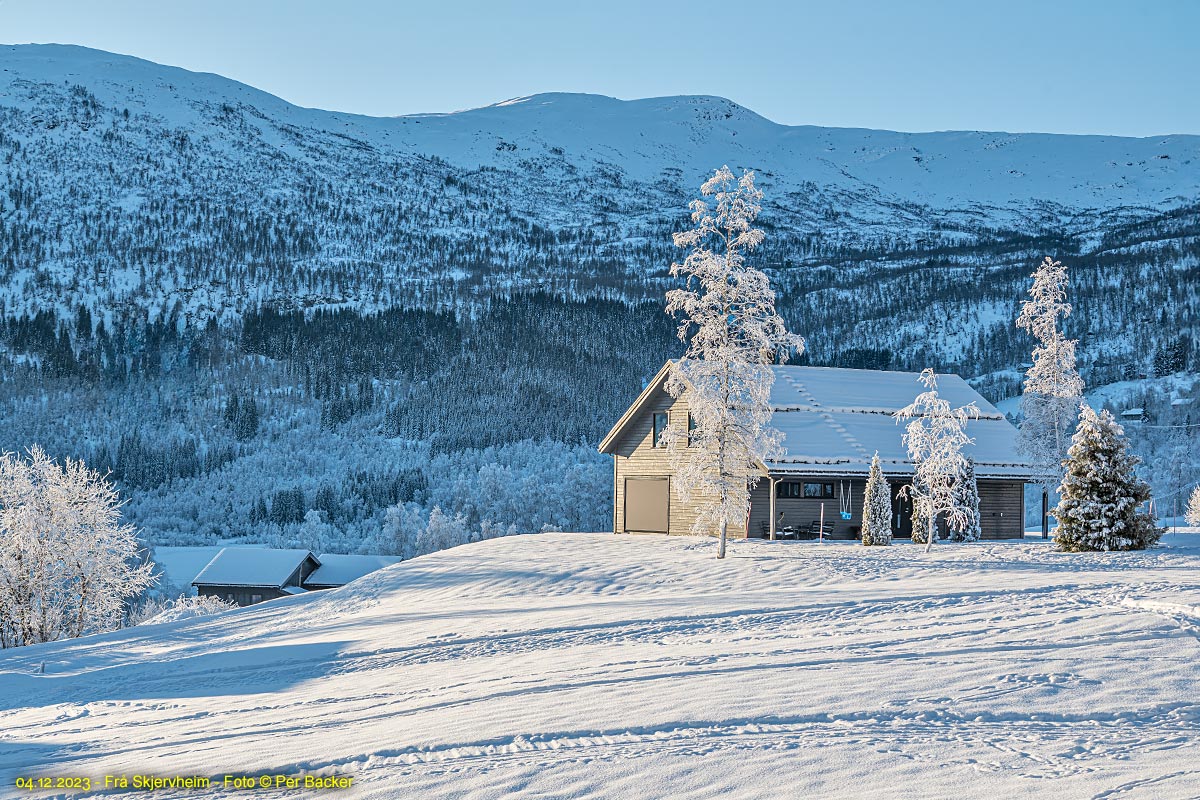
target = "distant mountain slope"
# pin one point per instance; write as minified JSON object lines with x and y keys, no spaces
{"x":127,"y":179}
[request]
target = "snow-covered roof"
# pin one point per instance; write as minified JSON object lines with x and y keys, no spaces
{"x":833,"y":421}
{"x":338,"y":570}
{"x":252,"y":566}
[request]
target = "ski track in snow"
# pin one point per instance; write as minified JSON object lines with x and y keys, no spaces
{"x":571,"y":665}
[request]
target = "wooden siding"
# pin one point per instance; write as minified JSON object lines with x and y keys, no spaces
{"x":1002,"y":509}
{"x":636,"y":457}
{"x":242,"y":595}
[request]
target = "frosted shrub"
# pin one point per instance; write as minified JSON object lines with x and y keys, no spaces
{"x":182,"y":607}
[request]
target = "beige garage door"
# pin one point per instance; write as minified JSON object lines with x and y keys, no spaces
{"x":647,"y":504}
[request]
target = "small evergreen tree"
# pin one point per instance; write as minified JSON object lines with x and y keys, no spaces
{"x":877,"y":508}
{"x":1193,"y":508}
{"x":920,"y":526}
{"x":966,"y":497}
{"x":1101,"y":494}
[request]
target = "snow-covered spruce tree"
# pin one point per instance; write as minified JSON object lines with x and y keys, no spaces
{"x":935,"y":439}
{"x":733,"y":335}
{"x":67,"y":564}
{"x":1053,"y":388}
{"x":1192,"y":515}
{"x":877,"y":507}
{"x":1100,"y":494}
{"x":920,"y":522}
{"x":966,"y":497}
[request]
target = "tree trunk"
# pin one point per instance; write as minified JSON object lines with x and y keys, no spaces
{"x":721,"y":541}
{"x":931,"y":533}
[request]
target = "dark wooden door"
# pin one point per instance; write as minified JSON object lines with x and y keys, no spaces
{"x":901,"y":513}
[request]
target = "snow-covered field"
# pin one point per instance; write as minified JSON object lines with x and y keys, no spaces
{"x":575,"y":665}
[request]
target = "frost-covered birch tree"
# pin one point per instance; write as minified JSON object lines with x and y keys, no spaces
{"x":1053,"y":389}
{"x":877,"y":507}
{"x":935,"y":438}
{"x":67,"y":564}
{"x":733,"y":335}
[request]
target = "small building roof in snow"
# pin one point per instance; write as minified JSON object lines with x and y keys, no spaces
{"x":253,"y":566}
{"x":833,"y":420}
{"x":1133,"y":412}
{"x":338,"y":570}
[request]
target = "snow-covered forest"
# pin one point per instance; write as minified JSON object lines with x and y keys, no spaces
{"x":250,"y":311}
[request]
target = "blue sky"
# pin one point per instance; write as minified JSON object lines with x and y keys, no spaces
{"x":1130,"y":68}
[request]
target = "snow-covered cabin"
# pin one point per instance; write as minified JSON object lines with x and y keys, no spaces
{"x":249,"y":575}
{"x":833,"y":421}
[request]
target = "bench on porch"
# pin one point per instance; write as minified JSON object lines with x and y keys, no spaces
{"x":816,"y":529}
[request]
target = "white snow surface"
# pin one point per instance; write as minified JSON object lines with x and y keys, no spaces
{"x":578,"y":665}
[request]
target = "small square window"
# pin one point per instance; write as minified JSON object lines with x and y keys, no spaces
{"x":660,"y":425}
{"x":787,"y":489}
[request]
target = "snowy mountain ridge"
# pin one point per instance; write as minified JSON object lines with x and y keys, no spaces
{"x":127,"y":178}
{"x":646,"y":137}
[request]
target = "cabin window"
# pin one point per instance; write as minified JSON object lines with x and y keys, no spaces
{"x":256,"y":598}
{"x":787,"y":489}
{"x":660,"y":425}
{"x":795,"y":489}
{"x":691,"y":427}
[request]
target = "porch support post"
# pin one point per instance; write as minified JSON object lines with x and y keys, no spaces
{"x":772,"y":505}
{"x":1045,"y":513}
